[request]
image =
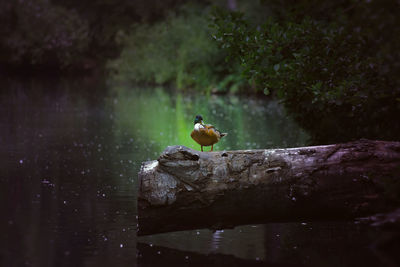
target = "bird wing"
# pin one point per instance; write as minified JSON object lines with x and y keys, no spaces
{"x":209,"y":126}
{"x":211,"y":130}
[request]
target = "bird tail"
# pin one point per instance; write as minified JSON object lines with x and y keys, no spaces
{"x":223,"y":134}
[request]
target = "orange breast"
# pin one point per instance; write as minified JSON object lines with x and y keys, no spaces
{"x":205,"y":137}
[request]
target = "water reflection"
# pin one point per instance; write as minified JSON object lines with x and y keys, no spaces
{"x":244,"y":242}
{"x":67,"y":202}
{"x":159,"y":118}
{"x":216,"y":240}
{"x":163,"y":256}
{"x":71,"y":150}
{"x":278,"y":244}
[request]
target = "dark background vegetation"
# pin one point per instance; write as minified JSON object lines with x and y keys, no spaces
{"x":69,"y":35}
{"x":334,"y":64}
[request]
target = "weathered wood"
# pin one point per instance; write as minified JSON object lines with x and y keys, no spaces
{"x":188,"y":189}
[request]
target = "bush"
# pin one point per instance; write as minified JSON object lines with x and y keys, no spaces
{"x":68,"y":34}
{"x":178,"y":51}
{"x":323,"y":71}
{"x":34,"y":32}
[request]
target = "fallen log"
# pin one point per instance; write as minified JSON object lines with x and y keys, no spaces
{"x":187,"y":189}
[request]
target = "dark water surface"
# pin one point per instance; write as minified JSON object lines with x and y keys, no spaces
{"x":70,"y":153}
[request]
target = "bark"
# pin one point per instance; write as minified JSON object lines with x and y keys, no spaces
{"x":188,"y":189}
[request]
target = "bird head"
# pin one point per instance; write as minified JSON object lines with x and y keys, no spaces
{"x":198,"y":119}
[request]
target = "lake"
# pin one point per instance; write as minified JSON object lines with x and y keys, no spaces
{"x":71,"y":151}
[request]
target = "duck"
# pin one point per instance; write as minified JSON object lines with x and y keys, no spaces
{"x":205,"y":134}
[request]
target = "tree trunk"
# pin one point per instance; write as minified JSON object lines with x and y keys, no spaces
{"x":187,"y":189}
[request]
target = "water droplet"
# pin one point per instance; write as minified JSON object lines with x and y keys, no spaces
{"x":121,"y":245}
{"x":21,"y":161}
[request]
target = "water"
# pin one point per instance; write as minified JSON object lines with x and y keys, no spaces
{"x":71,"y":150}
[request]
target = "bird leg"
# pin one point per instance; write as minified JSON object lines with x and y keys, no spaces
{"x":212,"y":147}
{"x":201,"y":148}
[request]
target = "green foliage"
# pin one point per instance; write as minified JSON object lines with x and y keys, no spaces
{"x":178,"y":51}
{"x":36,"y":32}
{"x":324,"y":72}
{"x":68,"y":34}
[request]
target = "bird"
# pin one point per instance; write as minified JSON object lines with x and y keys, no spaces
{"x":205,"y":134}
